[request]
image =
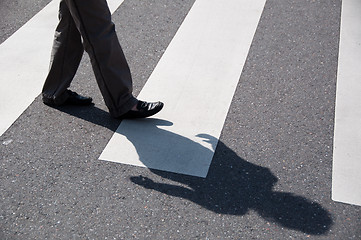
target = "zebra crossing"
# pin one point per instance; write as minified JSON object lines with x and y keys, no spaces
{"x":32,"y":61}
{"x":33,"y":64}
{"x":217,"y":114}
{"x":197,"y":96}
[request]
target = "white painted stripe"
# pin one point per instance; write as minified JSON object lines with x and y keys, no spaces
{"x":346,"y":179}
{"x":24,"y":62}
{"x":196,"y":78}
{"x":114,"y":4}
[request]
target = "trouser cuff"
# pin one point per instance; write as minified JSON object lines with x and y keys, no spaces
{"x":116,"y":113}
{"x":56,"y":101}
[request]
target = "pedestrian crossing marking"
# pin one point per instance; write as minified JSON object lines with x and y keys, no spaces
{"x":24,"y":62}
{"x":346,"y":177}
{"x":30,"y":49}
{"x":196,"y":78}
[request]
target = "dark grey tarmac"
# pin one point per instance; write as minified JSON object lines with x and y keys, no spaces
{"x":271,"y":174}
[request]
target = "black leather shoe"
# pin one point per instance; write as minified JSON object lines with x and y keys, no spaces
{"x":145,"y":109}
{"x":72,"y":98}
{"x":76,"y":99}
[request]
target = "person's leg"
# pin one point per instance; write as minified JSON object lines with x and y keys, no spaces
{"x":93,"y":20}
{"x":65,"y":59}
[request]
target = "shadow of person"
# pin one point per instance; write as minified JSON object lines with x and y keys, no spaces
{"x":92,"y":114}
{"x":233,"y":186}
{"x":158,"y":148}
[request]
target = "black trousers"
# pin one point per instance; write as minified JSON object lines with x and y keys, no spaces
{"x":87,"y":24}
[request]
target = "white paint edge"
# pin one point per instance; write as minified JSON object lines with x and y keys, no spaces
{"x":346,"y":177}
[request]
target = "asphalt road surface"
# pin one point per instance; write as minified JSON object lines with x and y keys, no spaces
{"x":271,"y":174}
